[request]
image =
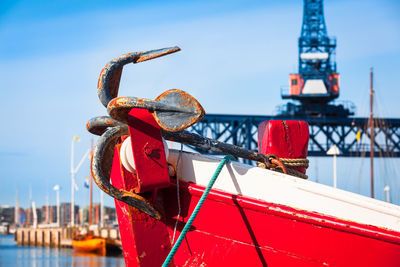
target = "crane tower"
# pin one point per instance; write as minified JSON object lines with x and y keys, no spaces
{"x":314,"y":87}
{"x":317,"y":81}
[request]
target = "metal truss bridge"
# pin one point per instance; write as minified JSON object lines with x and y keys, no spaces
{"x":350,"y":135}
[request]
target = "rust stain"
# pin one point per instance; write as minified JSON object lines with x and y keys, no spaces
{"x":99,"y":125}
{"x":89,"y":125}
{"x":122,"y":56}
{"x":142,"y":204}
{"x":117,"y":102}
{"x":110,"y":75}
{"x":107,"y":87}
{"x":279,"y":164}
{"x":185,"y":102}
{"x":99,"y":82}
{"x":149,"y":56}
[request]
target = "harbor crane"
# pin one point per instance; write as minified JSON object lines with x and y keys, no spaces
{"x":312,"y":92}
{"x":317,"y":81}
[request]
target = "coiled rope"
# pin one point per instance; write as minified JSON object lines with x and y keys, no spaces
{"x":289,"y":164}
{"x":196,"y":210}
{"x":295,"y":162}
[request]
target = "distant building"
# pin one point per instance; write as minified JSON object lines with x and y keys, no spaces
{"x":65,"y":216}
{"x":7,"y":214}
{"x":22,"y":217}
{"x":29,"y":215}
{"x":43,"y":215}
{"x":84,"y":214}
{"x":48,"y":214}
{"x":53,"y":214}
{"x":109,"y":214}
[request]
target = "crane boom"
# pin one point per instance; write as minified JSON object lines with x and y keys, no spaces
{"x":317,"y":82}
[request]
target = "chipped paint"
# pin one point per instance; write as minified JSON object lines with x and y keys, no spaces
{"x":110,"y":75}
{"x":196,"y":260}
{"x":99,"y":125}
{"x":101,"y":169}
{"x":174,"y":110}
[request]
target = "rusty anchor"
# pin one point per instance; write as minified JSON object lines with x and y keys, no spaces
{"x":110,"y":75}
{"x":174,"y":111}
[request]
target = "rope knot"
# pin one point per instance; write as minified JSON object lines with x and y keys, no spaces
{"x":284,"y":165}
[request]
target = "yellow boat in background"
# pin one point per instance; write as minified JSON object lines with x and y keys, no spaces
{"x":89,"y":243}
{"x":94,"y":244}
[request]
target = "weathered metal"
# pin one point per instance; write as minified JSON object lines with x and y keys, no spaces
{"x":110,"y":76}
{"x":101,"y":170}
{"x":104,"y":151}
{"x":103,"y":154}
{"x":174,"y":110}
{"x":98,"y":125}
{"x":215,"y":146}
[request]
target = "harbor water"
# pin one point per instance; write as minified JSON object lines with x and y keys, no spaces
{"x":13,"y":255}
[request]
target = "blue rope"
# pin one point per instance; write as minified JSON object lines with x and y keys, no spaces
{"x":196,"y":210}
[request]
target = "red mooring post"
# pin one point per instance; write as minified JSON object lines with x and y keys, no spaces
{"x":285,"y":139}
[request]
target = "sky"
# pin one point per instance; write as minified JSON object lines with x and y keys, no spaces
{"x":235,"y":57}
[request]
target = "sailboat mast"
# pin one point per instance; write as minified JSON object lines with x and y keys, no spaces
{"x":91,"y":184}
{"x":371,"y":119}
{"x":16,"y":216}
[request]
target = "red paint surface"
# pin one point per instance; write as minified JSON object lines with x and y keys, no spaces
{"x":233,"y":230}
{"x":286,"y":139}
{"x":145,"y":241}
{"x":122,"y":209}
{"x":239,"y":231}
{"x":148,"y":151}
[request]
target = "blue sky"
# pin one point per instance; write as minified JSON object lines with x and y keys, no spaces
{"x":235,"y":57}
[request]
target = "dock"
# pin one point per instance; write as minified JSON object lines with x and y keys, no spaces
{"x":57,"y":237}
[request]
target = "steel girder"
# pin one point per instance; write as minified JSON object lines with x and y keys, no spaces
{"x":241,"y":130}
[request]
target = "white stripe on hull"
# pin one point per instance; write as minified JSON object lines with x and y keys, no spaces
{"x":278,"y":188}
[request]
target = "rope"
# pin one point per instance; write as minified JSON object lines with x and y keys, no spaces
{"x":289,"y":163}
{"x":296,"y":173}
{"x":196,"y":211}
{"x":295,"y":162}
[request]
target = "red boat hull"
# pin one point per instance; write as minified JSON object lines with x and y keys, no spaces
{"x":233,"y":230}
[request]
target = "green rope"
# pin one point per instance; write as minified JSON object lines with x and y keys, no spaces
{"x":196,"y":210}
